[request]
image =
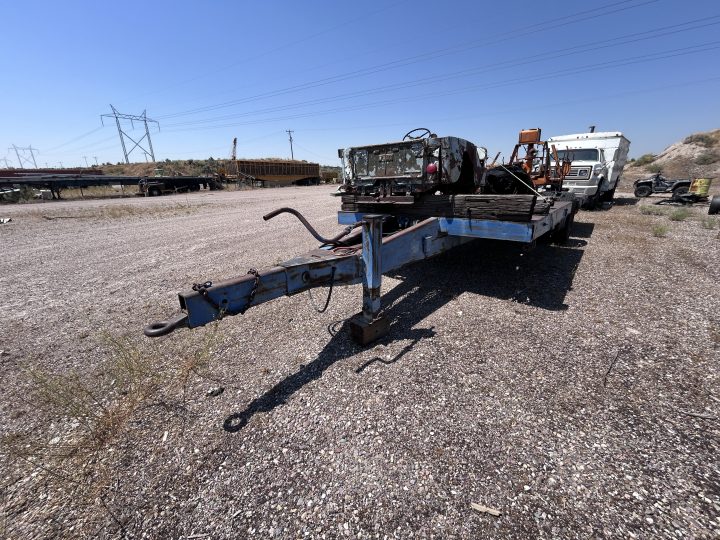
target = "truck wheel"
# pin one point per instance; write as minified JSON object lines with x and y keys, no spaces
{"x":643,"y":191}
{"x":609,"y":196}
{"x":714,"y":205}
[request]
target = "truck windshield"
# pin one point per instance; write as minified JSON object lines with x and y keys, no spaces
{"x":580,"y":154}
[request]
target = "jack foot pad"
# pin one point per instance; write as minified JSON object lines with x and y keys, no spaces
{"x":364,"y":332}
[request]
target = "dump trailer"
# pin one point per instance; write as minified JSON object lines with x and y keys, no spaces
{"x":409,"y":213}
{"x":278,"y":172}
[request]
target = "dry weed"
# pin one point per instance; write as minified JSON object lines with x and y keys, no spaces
{"x":652,"y":210}
{"x":660,"y":230}
{"x":114,"y":212}
{"x":94,"y":410}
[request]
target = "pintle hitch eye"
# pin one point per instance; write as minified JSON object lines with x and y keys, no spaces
{"x":163,"y":328}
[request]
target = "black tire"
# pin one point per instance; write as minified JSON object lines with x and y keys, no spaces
{"x":643,"y":191}
{"x":681,"y":190}
{"x":714,"y":205}
{"x":154,"y":192}
{"x":562,"y":235}
{"x":609,"y":196}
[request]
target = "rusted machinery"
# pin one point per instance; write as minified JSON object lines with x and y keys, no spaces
{"x":533,"y":165}
{"x":405,"y":201}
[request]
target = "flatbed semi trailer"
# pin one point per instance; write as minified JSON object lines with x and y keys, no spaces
{"x":57,"y":182}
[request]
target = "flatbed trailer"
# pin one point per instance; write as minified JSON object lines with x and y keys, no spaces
{"x":354,"y":257}
{"x":57,"y":182}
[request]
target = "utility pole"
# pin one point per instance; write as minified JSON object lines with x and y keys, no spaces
{"x":61,"y":164}
{"x":23,"y":159}
{"x":290,"y":132}
{"x":86,"y":163}
{"x":95,"y":157}
{"x":121,"y":133}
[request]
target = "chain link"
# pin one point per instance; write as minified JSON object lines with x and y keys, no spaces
{"x":253,"y":290}
{"x":202,"y":288}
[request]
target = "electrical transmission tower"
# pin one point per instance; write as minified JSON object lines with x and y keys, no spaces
{"x":21,"y":154}
{"x":121,"y":133}
{"x":6,"y":162}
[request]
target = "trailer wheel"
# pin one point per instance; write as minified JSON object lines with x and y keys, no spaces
{"x":154,"y":192}
{"x":714,"y":205}
{"x":562,"y":235}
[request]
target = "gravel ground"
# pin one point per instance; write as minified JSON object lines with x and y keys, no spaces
{"x":574,"y":389}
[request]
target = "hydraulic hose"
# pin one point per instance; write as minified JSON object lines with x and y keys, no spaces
{"x":334,"y":241}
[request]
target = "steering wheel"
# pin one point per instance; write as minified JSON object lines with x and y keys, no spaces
{"x":424,"y":132}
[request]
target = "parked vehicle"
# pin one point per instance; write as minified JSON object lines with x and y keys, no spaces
{"x":159,"y":185}
{"x":657,"y":183}
{"x":597,"y":160}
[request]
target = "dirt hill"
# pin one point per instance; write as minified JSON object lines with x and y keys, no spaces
{"x":696,"y":156}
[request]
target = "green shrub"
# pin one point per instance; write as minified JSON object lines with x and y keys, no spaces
{"x":660,"y":230}
{"x":681,"y":214}
{"x":701,"y":139}
{"x":644,"y":160}
{"x":707,"y":158}
{"x":652,"y":210}
{"x":708,"y":223}
{"x":654,"y":168}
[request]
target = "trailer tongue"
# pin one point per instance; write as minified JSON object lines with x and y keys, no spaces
{"x":416,"y":225}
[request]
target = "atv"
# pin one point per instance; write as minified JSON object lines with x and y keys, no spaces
{"x":659,"y":184}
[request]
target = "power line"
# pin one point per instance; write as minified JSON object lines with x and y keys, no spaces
{"x":49,"y":150}
{"x":285,"y":46}
{"x":507,"y":36}
{"x":556,"y":22}
{"x":548,"y":56}
{"x":521,"y":80}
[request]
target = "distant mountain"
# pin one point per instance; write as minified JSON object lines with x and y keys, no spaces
{"x":696,"y":156}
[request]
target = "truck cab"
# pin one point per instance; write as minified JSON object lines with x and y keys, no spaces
{"x":597,"y":163}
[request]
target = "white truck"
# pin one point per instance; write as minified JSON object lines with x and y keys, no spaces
{"x":597,"y":162}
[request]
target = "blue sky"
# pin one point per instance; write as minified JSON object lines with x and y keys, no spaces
{"x":343,"y":74}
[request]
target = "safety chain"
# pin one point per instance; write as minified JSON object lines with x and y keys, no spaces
{"x":202,"y":288}
{"x":253,"y":290}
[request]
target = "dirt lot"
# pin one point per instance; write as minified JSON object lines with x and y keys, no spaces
{"x":574,"y":389}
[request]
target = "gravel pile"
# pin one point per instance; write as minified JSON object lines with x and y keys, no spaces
{"x":574,"y":390}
